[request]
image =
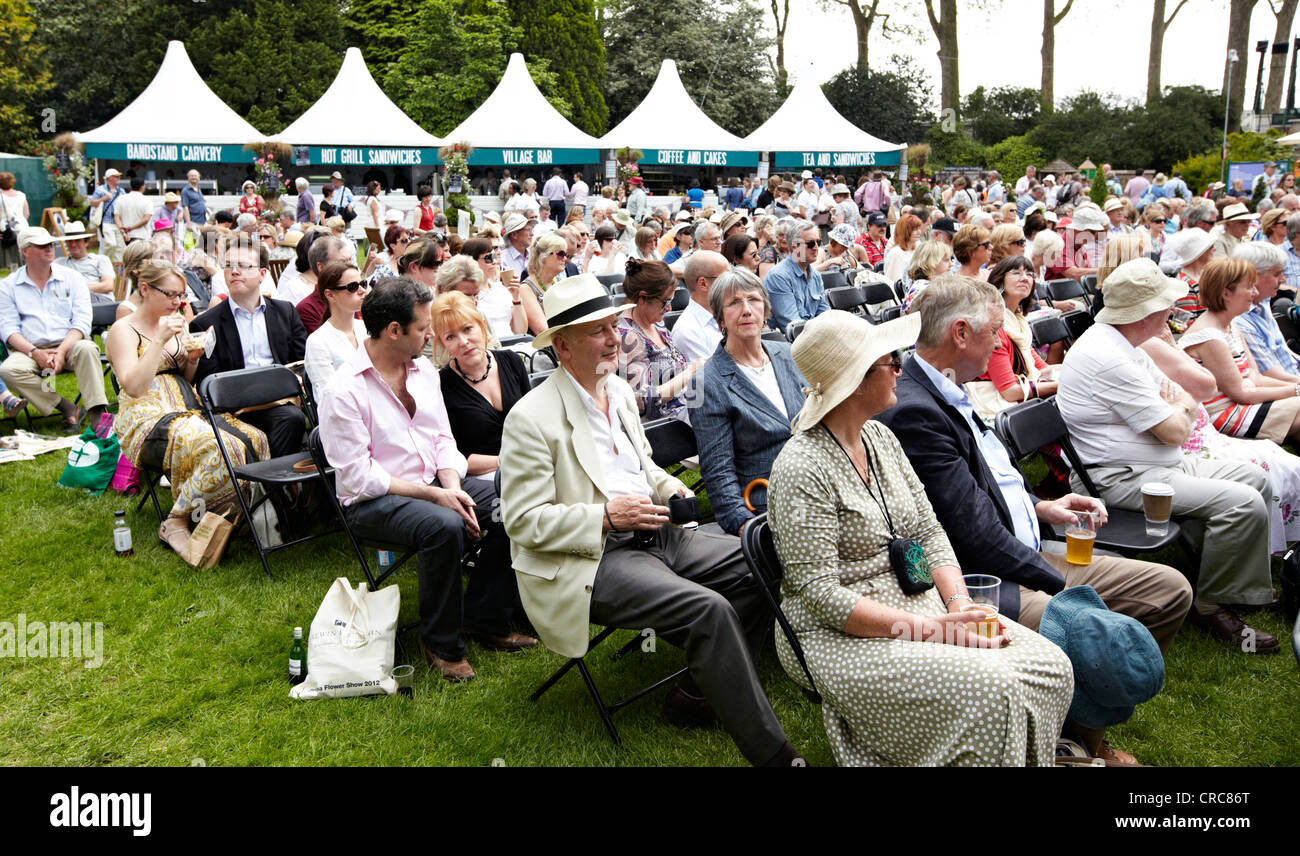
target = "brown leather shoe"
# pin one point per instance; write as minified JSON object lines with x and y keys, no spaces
{"x":786,"y":756}
{"x":455,"y":671}
{"x":512,"y":642}
{"x":687,"y":711}
{"x":1226,"y":625}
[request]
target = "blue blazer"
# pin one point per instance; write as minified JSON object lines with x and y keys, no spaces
{"x":966,"y":498}
{"x":738,"y":430}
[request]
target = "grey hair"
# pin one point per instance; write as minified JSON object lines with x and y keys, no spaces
{"x":1263,"y":255}
{"x":1264,"y":206}
{"x":321,"y":249}
{"x":456,"y":270}
{"x":1292,"y":227}
{"x":738,"y":279}
{"x":702,"y":230}
{"x":948,"y":299}
{"x":795,"y":229}
{"x":301,"y":183}
{"x":1196,"y":214}
{"x":981,"y":218}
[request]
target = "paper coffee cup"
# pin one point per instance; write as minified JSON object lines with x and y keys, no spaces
{"x":1157,"y":501}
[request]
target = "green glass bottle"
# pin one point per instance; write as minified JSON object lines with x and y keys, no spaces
{"x":297,"y":658}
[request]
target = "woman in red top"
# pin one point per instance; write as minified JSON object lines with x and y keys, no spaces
{"x":427,"y":211}
{"x":250,"y":202}
{"x":1016,"y":372}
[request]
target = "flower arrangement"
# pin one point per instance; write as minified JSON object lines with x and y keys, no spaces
{"x":455,"y":160}
{"x":627,"y":158}
{"x":68,"y":169}
{"x":268,"y":178}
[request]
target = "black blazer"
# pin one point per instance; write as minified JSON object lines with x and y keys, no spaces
{"x":284,"y":329}
{"x":963,"y":491}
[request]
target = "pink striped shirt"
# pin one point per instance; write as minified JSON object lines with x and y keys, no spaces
{"x":370,"y":439}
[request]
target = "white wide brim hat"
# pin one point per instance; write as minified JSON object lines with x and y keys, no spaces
{"x":1135,"y":290}
{"x":575,"y":300}
{"x":834,"y":352}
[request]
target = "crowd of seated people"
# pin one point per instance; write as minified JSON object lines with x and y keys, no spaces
{"x":854,"y":435}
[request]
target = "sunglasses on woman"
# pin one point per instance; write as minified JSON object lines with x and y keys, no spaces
{"x":561,"y":255}
{"x":488,"y":258}
{"x":1160,"y":221}
{"x":351,"y":286}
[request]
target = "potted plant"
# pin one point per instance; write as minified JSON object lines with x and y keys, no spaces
{"x":455,"y":175}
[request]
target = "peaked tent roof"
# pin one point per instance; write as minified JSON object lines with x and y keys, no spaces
{"x":152,"y":116}
{"x":533,"y":122}
{"x":385,"y":123}
{"x":667,"y":118}
{"x":808,"y":121}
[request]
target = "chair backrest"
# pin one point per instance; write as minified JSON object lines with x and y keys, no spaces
{"x":1040,"y":291}
{"x":609,"y":280}
{"x":1049,"y":330}
{"x":878,"y":267}
{"x":277,"y":266}
{"x":1089,"y":282}
{"x":760,"y":554}
{"x":538,"y":378}
{"x":879,"y":292}
{"x":102,"y":316}
{"x":671,"y":441}
{"x":521,"y":339}
{"x":1066,"y":289}
{"x":846,"y":297}
{"x":889,"y":313}
{"x":227,"y":391}
{"x":681,"y":299}
{"x":774,"y":336}
{"x":833,"y":279}
{"x":1286,"y":323}
{"x":794,"y":329}
{"x":1034,"y":424}
{"x":1077,"y":321}
{"x":670,"y":318}
{"x":202,"y":293}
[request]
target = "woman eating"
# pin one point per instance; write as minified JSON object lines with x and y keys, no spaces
{"x":748,"y":392}
{"x":159,"y":421}
{"x":647,"y":359}
{"x":333,"y":343}
{"x":887,"y":633}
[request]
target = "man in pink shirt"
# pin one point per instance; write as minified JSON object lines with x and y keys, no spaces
{"x":384,"y":429}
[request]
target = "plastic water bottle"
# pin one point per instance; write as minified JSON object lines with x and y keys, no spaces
{"x":297,"y":658}
{"x":385,"y":560}
{"x":121,"y":535}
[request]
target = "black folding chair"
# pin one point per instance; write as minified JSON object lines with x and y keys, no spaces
{"x":538,"y":378}
{"x":1067,"y":289}
{"x":1089,"y":282}
{"x":228,"y":392}
{"x":1077,"y":321}
{"x":849,"y":298}
{"x":794,"y":328}
{"x":609,"y":280}
{"x":889,"y":313}
{"x":760,"y":554}
{"x":878,"y":267}
{"x":1040,"y":292}
{"x":520,"y":339}
{"x":670,"y":319}
{"x":1049,"y":331}
{"x":1037,"y":423}
{"x":1286,"y":324}
{"x":681,"y":299}
{"x":102,"y":316}
{"x":833,"y":279}
{"x":774,"y":336}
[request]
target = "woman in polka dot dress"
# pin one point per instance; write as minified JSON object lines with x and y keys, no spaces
{"x":902,"y":680}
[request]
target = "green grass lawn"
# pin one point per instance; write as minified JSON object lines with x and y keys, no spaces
{"x":194,"y":670}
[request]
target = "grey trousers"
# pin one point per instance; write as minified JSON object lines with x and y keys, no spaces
{"x":694,"y":591}
{"x":1226,"y":498}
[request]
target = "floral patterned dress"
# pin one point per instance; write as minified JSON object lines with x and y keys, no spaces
{"x":166,"y":426}
{"x":646,"y":366}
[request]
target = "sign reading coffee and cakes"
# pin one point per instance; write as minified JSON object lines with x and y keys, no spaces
{"x":699,"y":157}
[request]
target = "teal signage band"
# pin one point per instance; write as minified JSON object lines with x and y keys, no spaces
{"x":532,"y":157}
{"x":363,"y":156}
{"x":809,"y":160}
{"x":698,"y":157}
{"x":179,"y":152}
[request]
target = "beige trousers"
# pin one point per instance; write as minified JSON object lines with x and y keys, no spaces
{"x":23,"y":377}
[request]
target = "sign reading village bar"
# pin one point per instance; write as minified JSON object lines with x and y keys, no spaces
{"x":809,"y":160}
{"x":532,"y":157}
{"x":699,"y":157}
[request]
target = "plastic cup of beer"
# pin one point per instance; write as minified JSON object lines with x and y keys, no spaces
{"x":984,"y":591}
{"x":1157,"y":503}
{"x":1080,"y":537}
{"x":404,"y":674}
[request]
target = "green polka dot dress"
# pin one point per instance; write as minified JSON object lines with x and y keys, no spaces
{"x":890,"y":702}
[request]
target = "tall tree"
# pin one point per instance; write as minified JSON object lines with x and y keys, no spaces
{"x":379,"y":28}
{"x":1050,"y":19}
{"x":944,"y":25}
{"x":1155,"y":54}
{"x":455,"y":56}
{"x":995,"y":114}
{"x":563,"y":32}
{"x":639,"y":34}
{"x":24,"y":75}
{"x":1234,"y":74}
{"x":866,"y":14}
{"x":1284,"y":12}
{"x":780,"y":19}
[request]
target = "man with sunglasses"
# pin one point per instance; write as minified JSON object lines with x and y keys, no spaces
{"x":252,"y":330}
{"x":794,"y":288}
{"x":979,"y":494}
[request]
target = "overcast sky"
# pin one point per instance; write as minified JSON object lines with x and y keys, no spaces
{"x":1001,"y":47}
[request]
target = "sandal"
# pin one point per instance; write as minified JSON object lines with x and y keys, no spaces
{"x":1109,"y":753}
{"x":12,"y":403}
{"x":177,"y":538}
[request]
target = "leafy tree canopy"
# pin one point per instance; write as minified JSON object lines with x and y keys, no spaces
{"x":894,"y":105}
{"x":564,"y":34}
{"x":996,"y":114}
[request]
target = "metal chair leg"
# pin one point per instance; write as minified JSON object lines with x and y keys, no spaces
{"x":600,"y":704}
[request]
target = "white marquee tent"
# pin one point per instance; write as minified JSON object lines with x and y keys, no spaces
{"x":517,"y":125}
{"x":155,"y":127}
{"x":808,"y":132}
{"x":669,"y":128}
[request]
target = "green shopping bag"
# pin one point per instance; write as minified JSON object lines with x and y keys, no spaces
{"x":91,"y":462}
